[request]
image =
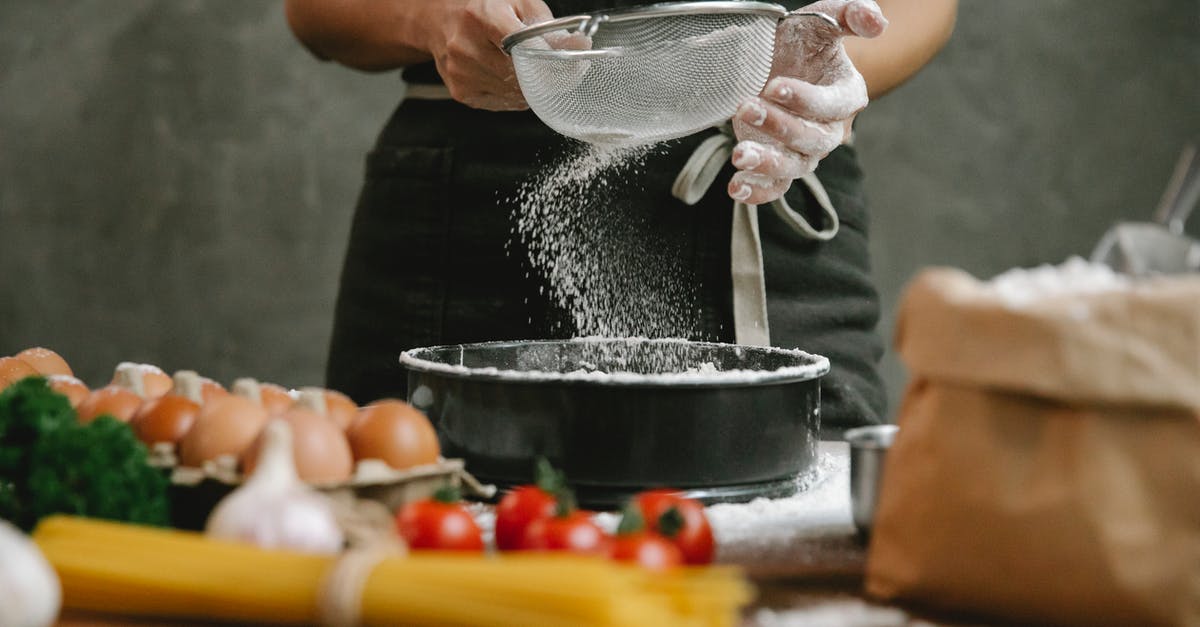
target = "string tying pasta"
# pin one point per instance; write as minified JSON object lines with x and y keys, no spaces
{"x":340,"y":600}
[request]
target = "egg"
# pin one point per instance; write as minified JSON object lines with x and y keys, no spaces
{"x":13,"y":370}
{"x":70,"y":387}
{"x":210,"y":389}
{"x":165,"y":419}
{"x":396,"y":433}
{"x":154,"y":382}
{"x":339,"y":408}
{"x":275,"y":398}
{"x":45,"y":361}
{"x":226,"y":425}
{"x":319,"y":448}
{"x":119,"y":402}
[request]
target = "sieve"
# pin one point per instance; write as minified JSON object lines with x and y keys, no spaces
{"x":639,"y":75}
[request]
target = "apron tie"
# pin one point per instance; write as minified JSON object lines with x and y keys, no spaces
{"x":745,"y":246}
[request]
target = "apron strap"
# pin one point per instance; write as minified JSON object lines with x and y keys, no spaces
{"x":426,"y":91}
{"x":750,"y":322}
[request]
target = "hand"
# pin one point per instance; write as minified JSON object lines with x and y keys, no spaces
{"x":466,"y":49}
{"x":808,"y":104}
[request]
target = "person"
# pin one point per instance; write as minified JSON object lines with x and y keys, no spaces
{"x":430,"y":259}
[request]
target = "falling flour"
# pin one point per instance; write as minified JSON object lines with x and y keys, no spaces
{"x":603,"y":261}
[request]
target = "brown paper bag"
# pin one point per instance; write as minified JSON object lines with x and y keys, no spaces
{"x":1047,"y":468}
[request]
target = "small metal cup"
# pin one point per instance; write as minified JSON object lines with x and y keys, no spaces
{"x":868,"y":449}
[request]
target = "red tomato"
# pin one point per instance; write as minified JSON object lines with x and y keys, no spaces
{"x":574,"y":532}
{"x":694,"y":538}
{"x":650,"y":550}
{"x":520,"y":507}
{"x":433,"y":524}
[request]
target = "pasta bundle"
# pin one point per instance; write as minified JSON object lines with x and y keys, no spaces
{"x":130,"y":570}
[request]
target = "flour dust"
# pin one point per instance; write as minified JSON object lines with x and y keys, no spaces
{"x":607,"y":264}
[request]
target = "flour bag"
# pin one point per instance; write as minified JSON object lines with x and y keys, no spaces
{"x":1047,"y":468}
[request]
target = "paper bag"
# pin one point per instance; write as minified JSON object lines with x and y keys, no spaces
{"x":1047,"y":468}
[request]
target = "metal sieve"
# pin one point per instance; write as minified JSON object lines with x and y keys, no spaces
{"x":643,"y":74}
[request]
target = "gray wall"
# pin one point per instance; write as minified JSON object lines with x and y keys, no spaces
{"x":176,"y":178}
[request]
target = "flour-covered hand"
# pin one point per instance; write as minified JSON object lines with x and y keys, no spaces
{"x":809,"y":102}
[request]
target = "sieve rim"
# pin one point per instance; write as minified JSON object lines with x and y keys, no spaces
{"x":661,"y":9}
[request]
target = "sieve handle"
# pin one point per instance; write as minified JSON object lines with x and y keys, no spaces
{"x":592,"y":24}
{"x":817,"y":14}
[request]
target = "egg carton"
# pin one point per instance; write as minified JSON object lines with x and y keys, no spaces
{"x":196,"y":491}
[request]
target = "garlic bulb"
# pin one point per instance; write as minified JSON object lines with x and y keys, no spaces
{"x":30,"y":595}
{"x":273,"y":508}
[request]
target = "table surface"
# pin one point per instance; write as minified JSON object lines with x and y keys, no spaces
{"x":802,"y":553}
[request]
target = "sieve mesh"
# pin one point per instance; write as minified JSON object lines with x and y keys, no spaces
{"x":649,"y":76}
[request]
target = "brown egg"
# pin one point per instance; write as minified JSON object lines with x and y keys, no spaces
{"x":225,"y":426}
{"x":155,"y":382}
{"x":210,"y":389}
{"x":395,"y":432}
{"x":165,"y":419}
{"x":275,"y":398}
{"x":70,"y":387}
{"x":340,"y":409}
{"x":45,"y":361}
{"x":319,"y":448}
{"x":13,"y":370}
{"x":114,"y":400}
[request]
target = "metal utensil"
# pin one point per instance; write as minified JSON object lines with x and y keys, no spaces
{"x":1159,"y":247}
{"x":648,"y":73}
{"x":622,"y":415}
{"x":868,"y":450}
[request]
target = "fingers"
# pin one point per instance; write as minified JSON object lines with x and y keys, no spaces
{"x":769,"y":161}
{"x":798,"y":133}
{"x":756,"y":189}
{"x":862,"y":18}
{"x":836,"y":101}
{"x":501,"y":18}
{"x":533,"y":12}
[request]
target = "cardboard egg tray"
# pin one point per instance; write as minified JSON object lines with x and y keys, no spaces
{"x":195,"y":492}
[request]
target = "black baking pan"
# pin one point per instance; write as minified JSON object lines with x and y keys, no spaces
{"x":722,"y":422}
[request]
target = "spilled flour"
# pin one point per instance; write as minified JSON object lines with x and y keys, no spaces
{"x":605,"y":263}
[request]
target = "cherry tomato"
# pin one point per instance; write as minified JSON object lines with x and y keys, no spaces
{"x":438,"y":525}
{"x":694,"y":537}
{"x":517,"y":510}
{"x":574,"y":532}
{"x":647,"y":549}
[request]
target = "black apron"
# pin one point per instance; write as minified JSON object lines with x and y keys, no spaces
{"x":432,"y":260}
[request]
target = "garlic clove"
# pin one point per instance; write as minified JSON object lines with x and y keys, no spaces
{"x":273,"y":508}
{"x":30,"y":593}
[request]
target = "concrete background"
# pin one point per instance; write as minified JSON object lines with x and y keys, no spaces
{"x":177,"y":177}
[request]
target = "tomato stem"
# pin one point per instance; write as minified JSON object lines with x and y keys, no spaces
{"x":632,"y":520}
{"x":447,"y":494}
{"x":564,"y":502}
{"x":547,"y":477}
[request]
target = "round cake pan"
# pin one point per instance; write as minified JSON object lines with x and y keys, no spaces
{"x":721,"y":422}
